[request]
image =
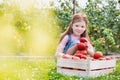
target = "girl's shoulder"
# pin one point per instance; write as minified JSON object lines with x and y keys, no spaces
{"x":65,"y":39}
{"x":67,"y":36}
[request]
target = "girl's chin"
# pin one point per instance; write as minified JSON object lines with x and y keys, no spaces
{"x":78,"y":34}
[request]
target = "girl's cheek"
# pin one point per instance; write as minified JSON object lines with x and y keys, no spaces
{"x":84,"y":29}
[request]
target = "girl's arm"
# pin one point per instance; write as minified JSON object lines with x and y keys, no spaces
{"x":90,"y":50}
{"x":61,"y":46}
{"x":59,"y":51}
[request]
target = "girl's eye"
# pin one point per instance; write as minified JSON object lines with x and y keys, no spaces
{"x":77,"y":25}
{"x":82,"y":26}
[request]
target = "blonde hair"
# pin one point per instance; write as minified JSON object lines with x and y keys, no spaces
{"x":77,"y":18}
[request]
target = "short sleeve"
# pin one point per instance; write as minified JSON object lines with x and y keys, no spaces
{"x":62,"y":44}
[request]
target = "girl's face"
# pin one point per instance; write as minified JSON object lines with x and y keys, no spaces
{"x":79,"y":28}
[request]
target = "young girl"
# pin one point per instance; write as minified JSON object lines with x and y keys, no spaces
{"x":77,"y":28}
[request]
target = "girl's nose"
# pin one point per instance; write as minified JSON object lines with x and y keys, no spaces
{"x":79,"y":28}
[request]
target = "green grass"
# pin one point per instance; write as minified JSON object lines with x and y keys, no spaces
{"x":41,"y":69}
{"x":25,"y":69}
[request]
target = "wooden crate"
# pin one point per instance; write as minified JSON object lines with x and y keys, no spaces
{"x":85,"y":68}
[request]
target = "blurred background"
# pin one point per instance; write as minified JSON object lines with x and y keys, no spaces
{"x":30,"y":31}
{"x":33,"y":27}
{"x":27,"y":28}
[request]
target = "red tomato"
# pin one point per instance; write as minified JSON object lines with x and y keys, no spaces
{"x":98,"y":55}
{"x":82,"y":46}
{"x":83,"y":39}
{"x":108,"y":58}
{"x":83,"y":57}
{"x":78,"y":52}
{"x":84,"y":52}
{"x":78,"y":55}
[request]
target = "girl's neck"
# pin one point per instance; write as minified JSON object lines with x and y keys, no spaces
{"x":75,"y":35}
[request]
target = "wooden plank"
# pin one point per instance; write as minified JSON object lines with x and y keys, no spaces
{"x":81,"y":64}
{"x":98,"y":64}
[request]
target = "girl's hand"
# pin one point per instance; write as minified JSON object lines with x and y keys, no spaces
{"x":59,"y":54}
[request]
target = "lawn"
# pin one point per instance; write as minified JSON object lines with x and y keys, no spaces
{"x":41,"y":69}
{"x":25,"y":69}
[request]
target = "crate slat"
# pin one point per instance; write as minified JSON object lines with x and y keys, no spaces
{"x":98,"y":64}
{"x":84,"y":73}
{"x":81,"y":64}
{"x":72,"y":72}
{"x":100,"y":72}
{"x":85,"y":68}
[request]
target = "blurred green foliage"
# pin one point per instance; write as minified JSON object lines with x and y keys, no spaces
{"x":104,"y":22}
